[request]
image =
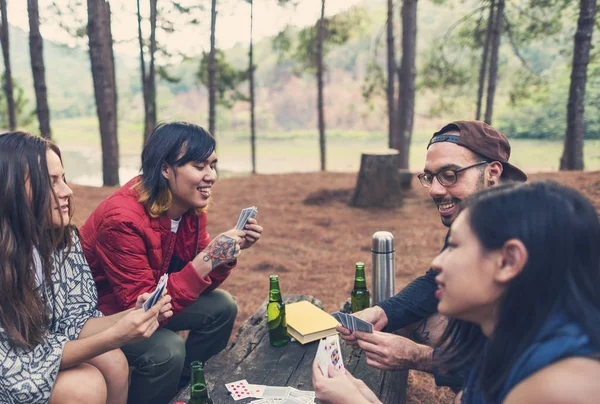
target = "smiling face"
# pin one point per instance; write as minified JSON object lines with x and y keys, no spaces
{"x":190,"y":184}
{"x":468,"y":287}
{"x":449,"y":156}
{"x":61,"y":211}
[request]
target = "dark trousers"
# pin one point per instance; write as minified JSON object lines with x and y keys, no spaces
{"x":163,"y":359}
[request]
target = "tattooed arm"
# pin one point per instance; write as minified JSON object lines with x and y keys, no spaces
{"x":222,"y":249}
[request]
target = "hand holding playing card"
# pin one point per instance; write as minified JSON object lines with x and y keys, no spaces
{"x":253,"y":232}
{"x":393,"y":352}
{"x":339,"y":387}
{"x":247,"y":222}
{"x":166,"y":311}
{"x":137,"y":324}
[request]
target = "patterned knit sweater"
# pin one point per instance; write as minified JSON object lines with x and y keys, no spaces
{"x":28,"y":375}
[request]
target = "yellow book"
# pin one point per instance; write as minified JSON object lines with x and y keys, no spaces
{"x":306,"y":322}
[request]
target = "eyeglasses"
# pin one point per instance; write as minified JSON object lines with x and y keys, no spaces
{"x":446,"y":178}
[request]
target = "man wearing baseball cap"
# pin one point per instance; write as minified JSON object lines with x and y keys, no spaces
{"x":462,"y":158}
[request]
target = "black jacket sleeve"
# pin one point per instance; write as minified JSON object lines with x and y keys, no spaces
{"x":413,"y":303}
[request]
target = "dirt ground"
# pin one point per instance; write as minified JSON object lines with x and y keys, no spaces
{"x":312,"y":238}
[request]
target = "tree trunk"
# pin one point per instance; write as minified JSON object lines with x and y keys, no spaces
{"x":148,"y":77}
{"x":496,"y":34}
{"x":8,"y":83}
{"x":484,"y":59}
{"x":251,"y":74}
{"x":36,"y":53}
{"x":212,"y":71}
{"x":150,"y":121}
{"x":572,"y":157}
{"x":320,"y":106}
{"x":103,"y":73}
{"x":380,"y":182}
{"x":391,"y":72}
{"x":407,"y":74}
{"x":143,"y":71}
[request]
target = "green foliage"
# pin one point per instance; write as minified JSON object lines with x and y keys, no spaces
{"x":24,"y":116}
{"x":337,"y":31}
{"x":227,"y":79}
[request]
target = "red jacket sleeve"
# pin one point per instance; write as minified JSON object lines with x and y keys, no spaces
{"x":122,"y":253}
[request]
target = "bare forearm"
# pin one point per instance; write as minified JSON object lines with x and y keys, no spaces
{"x":83,"y":349}
{"x":96,"y":325}
{"x":423,"y":358}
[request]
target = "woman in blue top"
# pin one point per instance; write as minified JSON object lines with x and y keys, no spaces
{"x":523,"y":264}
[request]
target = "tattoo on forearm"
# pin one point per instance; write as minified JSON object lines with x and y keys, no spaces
{"x":420,"y":334}
{"x":220,"y":250}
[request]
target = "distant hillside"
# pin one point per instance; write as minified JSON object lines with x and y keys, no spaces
{"x":287,"y":102}
{"x":68,"y":76}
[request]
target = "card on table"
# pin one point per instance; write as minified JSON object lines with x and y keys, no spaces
{"x":157,"y":294}
{"x":329,"y":352}
{"x":256,"y":390}
{"x":238,"y":389}
{"x":276,"y":392}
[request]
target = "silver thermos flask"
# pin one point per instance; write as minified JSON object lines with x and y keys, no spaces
{"x":383,"y":257}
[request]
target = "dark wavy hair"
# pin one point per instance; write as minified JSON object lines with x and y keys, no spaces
{"x":176,"y":144}
{"x":26,"y":195}
{"x":561,"y":231}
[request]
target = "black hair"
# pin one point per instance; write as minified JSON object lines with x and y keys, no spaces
{"x":175,"y":144}
{"x":561,"y":232}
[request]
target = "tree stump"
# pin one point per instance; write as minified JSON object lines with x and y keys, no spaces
{"x":380,"y":182}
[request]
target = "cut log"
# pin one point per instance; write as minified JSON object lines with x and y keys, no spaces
{"x":381,"y":183}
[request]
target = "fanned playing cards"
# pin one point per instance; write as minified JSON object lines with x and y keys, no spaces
{"x":245,"y":215}
{"x":329,"y":352}
{"x":157,"y":294}
{"x":353,"y":323}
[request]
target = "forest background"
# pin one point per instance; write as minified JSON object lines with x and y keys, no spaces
{"x":530,"y":103}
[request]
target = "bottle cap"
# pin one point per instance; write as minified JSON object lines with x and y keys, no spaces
{"x":383,"y":242}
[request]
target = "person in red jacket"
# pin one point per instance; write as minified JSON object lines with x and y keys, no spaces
{"x":156,"y":224}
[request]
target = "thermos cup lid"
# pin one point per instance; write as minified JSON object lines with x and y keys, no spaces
{"x":383,"y":242}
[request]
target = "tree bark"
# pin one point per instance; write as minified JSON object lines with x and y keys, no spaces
{"x":8,"y":83}
{"x":484,"y":59}
{"x":380,"y":182}
{"x":251,"y":81}
{"x":212,"y":71}
{"x":150,"y":121}
{"x":572,"y":157}
{"x":320,"y":102}
{"x":391,"y":72}
{"x":36,"y":52}
{"x":407,"y":74}
{"x":149,"y":76}
{"x":496,"y":34}
{"x":103,"y":73}
{"x":142,"y":70}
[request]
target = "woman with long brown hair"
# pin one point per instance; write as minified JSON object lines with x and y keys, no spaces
{"x":54,"y":345}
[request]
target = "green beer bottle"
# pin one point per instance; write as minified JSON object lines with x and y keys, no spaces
{"x":360,"y":297}
{"x":198,"y":388}
{"x":276,"y":314}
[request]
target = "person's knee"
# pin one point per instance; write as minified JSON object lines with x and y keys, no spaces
{"x":82,"y":384}
{"x":116,"y":368}
{"x":168,"y":354}
{"x":228,"y":306}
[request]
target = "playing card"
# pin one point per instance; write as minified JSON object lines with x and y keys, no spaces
{"x":245,"y":215}
{"x":238,"y":389}
{"x":338,"y":316}
{"x":156,"y":295}
{"x":345,"y":322}
{"x":256,"y":390}
{"x":362,"y":325}
{"x":275,"y":392}
{"x":329,"y":352}
{"x":292,"y":400}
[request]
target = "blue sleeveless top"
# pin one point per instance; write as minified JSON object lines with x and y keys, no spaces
{"x":558,"y":339}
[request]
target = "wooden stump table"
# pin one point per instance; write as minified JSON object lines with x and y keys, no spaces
{"x":252,"y":357}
